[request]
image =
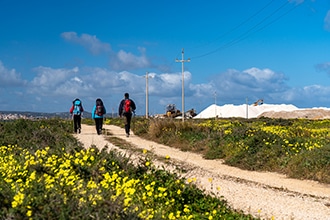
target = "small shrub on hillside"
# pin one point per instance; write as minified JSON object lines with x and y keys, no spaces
{"x":185,"y":136}
{"x":140,"y":126}
{"x":216,"y":148}
{"x":314,"y":165}
{"x":38,"y":134}
{"x":290,"y":146}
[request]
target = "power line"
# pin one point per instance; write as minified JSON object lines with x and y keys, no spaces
{"x":247,"y":33}
{"x":268,"y":24}
{"x":241,"y":24}
{"x":235,"y":28}
{"x":238,"y":39}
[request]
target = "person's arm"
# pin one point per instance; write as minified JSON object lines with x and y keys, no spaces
{"x":133,"y":105}
{"x":71,"y":109}
{"x":93,"y":112}
{"x":120,"y":109}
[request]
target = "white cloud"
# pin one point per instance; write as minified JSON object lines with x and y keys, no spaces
{"x":202,"y":90}
{"x":323,"y":67}
{"x":9,"y":78}
{"x":101,"y":78}
{"x":170,"y":81}
{"x":91,"y":43}
{"x":66,"y":83}
{"x":316,"y":90}
{"x":47,"y":78}
{"x":79,"y":82}
{"x":235,"y":86}
{"x":327,"y":21}
{"x":122,"y":60}
{"x":307,"y":96}
{"x":59,"y":87}
{"x":169,"y":84}
{"x":77,"y":79}
{"x":128,"y":61}
{"x":260,"y":75}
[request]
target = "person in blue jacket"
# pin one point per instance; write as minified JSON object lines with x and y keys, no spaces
{"x":97,"y":114}
{"x":76,"y":112}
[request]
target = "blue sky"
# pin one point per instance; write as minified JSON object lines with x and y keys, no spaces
{"x":240,"y":51}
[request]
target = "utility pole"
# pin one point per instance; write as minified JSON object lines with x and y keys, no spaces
{"x":215,"y":104}
{"x":247,"y":108}
{"x":147,"y":104}
{"x":182,"y":62}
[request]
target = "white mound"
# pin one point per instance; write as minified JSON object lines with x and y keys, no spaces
{"x":243,"y":111}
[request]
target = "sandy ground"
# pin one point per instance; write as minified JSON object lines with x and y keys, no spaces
{"x":306,"y":113}
{"x":262,"y":194}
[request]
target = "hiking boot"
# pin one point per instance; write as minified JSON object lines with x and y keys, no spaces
{"x":79,"y":130}
{"x":127,"y":135}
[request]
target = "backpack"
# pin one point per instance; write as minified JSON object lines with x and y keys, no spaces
{"x":77,"y":107}
{"x":99,"y":108}
{"x":127,"y":106}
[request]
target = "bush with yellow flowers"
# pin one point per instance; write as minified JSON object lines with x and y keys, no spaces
{"x":46,"y":174}
{"x":299,"y":148}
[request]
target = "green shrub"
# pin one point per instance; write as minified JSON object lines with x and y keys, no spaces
{"x":296,"y":147}
{"x":53,"y":177}
{"x":314,"y":165}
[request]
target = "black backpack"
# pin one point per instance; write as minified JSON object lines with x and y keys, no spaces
{"x":99,"y":107}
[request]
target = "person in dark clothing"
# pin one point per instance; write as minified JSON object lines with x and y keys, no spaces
{"x":97,"y":114}
{"x":76,"y":111}
{"x":127,"y":109}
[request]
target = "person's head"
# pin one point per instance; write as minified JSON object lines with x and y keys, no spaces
{"x":126,"y":95}
{"x":98,"y":100}
{"x":75,"y":100}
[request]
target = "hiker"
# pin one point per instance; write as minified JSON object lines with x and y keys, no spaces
{"x":76,"y":111}
{"x":126,"y":109}
{"x":97,"y":114}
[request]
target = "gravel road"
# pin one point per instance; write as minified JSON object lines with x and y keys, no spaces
{"x":262,"y":194}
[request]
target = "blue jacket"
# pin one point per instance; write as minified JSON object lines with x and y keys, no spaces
{"x":94,"y":115}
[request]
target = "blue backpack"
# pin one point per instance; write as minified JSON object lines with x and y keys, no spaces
{"x":77,"y":107}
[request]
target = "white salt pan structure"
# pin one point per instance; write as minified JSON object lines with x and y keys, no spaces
{"x":242,"y":111}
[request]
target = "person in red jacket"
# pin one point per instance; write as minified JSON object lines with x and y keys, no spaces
{"x":127,"y":109}
{"x":76,"y":112}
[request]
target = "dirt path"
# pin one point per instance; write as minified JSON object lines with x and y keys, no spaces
{"x":262,"y":194}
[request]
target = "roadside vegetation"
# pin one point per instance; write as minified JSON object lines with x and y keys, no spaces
{"x":46,"y":174}
{"x":299,"y":148}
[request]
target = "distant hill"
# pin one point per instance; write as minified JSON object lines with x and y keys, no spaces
{"x":9,"y":115}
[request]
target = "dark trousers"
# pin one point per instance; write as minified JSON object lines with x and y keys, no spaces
{"x":128,"y":118}
{"x":76,"y":123}
{"x":98,"y":125}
